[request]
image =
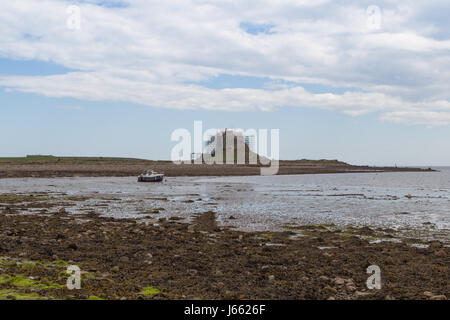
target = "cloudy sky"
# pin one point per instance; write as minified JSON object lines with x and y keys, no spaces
{"x":362,"y":81}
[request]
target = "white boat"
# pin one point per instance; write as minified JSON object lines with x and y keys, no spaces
{"x":151,"y":176}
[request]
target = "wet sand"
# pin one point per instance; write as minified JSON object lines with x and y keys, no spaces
{"x":257,"y":203}
{"x":138,"y":259}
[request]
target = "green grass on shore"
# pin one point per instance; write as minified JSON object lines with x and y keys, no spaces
{"x":49,"y":159}
{"x":317,"y":162}
{"x":38,"y":159}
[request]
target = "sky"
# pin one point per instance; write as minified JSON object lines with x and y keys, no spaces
{"x":366,"y":82}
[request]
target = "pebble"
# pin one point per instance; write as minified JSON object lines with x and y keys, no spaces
{"x":360,"y":294}
{"x":351,"y":287}
{"x":349,"y":282}
{"x":440,"y":253}
{"x":192,"y":272}
{"x":271,"y":278}
{"x":191,"y":229}
{"x":329,"y":289}
{"x":339,"y":281}
{"x":124,"y":259}
{"x":115,"y":269}
{"x":229,"y":294}
{"x":439,"y":297}
{"x":436,"y":245}
{"x":428,"y":294}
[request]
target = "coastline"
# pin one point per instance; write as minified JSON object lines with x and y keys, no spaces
{"x":155,"y":257}
{"x":119,"y":169}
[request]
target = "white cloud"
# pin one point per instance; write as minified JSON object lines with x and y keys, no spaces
{"x":430,"y":118}
{"x":71,"y":108}
{"x":148,"y":52}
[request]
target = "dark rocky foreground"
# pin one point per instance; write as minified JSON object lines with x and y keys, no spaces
{"x":134,"y":259}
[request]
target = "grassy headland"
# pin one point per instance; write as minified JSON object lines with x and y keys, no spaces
{"x":54,"y":166}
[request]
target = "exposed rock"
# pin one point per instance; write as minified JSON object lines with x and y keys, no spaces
{"x":72,"y":246}
{"x":349,"y":281}
{"x":339,"y":281}
{"x":436,"y":245}
{"x":439,"y":297}
{"x":351,"y":287}
{"x":440,"y":253}
{"x":428,"y":294}
{"x":192,"y":272}
{"x":124,"y":259}
{"x":297,"y":270}
{"x":360,"y":294}
{"x":329,"y":289}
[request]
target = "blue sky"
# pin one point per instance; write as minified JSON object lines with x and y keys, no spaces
{"x":123,"y":82}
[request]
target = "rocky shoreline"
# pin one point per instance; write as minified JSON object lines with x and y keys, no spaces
{"x":119,"y":169}
{"x":141,"y":259}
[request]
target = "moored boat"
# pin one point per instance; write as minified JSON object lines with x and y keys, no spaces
{"x":151,"y":176}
